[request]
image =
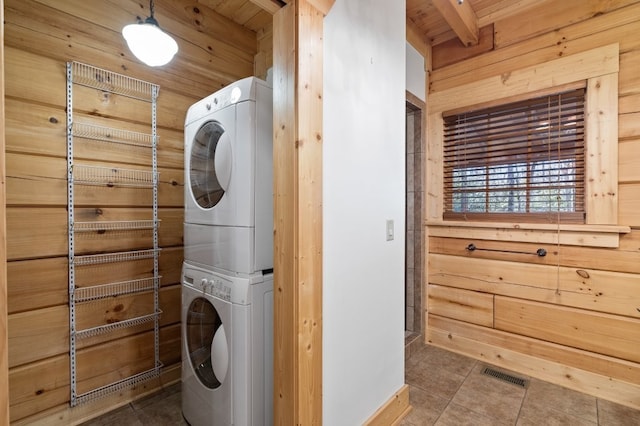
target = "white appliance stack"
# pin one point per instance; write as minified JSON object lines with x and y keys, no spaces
{"x":227,"y":275}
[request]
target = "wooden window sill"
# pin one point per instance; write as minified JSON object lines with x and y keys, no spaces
{"x":569,"y":234}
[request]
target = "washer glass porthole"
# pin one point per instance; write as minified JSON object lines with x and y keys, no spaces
{"x":202,"y":324}
{"x":205,"y":185}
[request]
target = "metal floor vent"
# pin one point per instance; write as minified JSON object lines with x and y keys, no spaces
{"x":505,"y":377}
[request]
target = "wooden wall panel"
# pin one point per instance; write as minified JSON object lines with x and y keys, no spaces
{"x":615,"y":27}
{"x":629,"y":80}
{"x":629,"y":206}
{"x":623,"y":259}
{"x":171,"y":265}
{"x":118,"y":359}
{"x":550,"y":15}
{"x":205,"y":61}
{"x":41,"y":36}
{"x":629,"y":104}
{"x":600,"y":333}
{"x":4,"y":391}
{"x":45,"y":384}
{"x":39,"y":386}
{"x":37,"y":283}
{"x":572,"y":316}
{"x":43,"y":80}
{"x":463,"y":305}
{"x":113,"y":310}
{"x":101,"y":312}
{"x":586,"y":288}
{"x":38,"y":334}
{"x":629,"y":151}
{"x":36,"y":232}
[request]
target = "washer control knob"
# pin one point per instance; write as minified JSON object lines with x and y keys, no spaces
{"x":203,"y":283}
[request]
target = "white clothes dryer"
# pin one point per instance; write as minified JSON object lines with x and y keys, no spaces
{"x":227,"y":349}
{"x":228,"y":179}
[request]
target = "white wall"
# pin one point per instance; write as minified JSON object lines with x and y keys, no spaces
{"x":363,"y":186}
{"x":416,"y":76}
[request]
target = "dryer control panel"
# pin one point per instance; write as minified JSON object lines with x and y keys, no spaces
{"x":216,"y":287}
{"x":236,"y":290}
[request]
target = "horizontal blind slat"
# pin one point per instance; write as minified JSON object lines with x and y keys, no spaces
{"x":525,"y":157}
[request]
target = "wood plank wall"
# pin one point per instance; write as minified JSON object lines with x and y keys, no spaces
{"x":572,"y":317}
{"x":41,"y":36}
{"x":4,"y":353}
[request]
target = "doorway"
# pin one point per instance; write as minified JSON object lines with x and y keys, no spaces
{"x":414,"y":241}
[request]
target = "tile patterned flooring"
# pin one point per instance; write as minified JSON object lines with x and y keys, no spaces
{"x":444,"y":389}
{"x":447,"y":389}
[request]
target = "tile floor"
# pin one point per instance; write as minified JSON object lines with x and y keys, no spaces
{"x":445,"y":389}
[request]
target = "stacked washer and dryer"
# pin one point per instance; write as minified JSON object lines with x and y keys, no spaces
{"x":227,"y":275}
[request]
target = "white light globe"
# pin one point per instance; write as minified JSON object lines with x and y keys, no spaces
{"x":150,"y":44}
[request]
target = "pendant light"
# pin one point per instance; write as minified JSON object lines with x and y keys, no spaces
{"x":148,"y":42}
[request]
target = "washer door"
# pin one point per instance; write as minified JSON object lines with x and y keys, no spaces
{"x":207,"y":343}
{"x":210,"y":165}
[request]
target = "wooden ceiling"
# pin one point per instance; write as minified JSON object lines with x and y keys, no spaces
{"x":443,"y":20}
{"x":252,"y":14}
{"x":437,"y":21}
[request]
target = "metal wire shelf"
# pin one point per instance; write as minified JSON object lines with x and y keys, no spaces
{"x":109,"y":134}
{"x":110,"y":176}
{"x":114,"y":225}
{"x":137,"y":379}
{"x":97,"y":78}
{"x":86,"y":294}
{"x":124,"y":256}
{"x":108,"y":328}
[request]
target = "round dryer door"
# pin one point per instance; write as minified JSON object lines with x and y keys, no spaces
{"x":210,"y":169}
{"x":207,"y":343}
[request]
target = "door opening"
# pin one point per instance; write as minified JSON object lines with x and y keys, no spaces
{"x":414,"y":241}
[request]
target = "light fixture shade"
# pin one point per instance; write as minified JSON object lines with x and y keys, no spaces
{"x":149,"y":43}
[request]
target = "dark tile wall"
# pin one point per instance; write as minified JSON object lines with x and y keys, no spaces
{"x":415,"y":231}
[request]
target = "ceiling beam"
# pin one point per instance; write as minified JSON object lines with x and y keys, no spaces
{"x":271,"y":6}
{"x":323,"y":6}
{"x":461,"y":18}
{"x":416,"y":38}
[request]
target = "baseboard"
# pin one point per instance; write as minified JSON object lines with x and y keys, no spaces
{"x":394,"y":410}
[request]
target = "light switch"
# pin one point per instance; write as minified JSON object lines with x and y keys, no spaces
{"x":390,"y":232}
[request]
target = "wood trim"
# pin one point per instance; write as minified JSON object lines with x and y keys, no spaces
{"x":392,"y":411}
{"x":298,"y":32}
{"x":573,"y":235}
{"x":601,"y":142}
{"x":580,"y":66}
{"x":600,"y":66}
{"x":416,"y":102}
{"x":4,"y":353}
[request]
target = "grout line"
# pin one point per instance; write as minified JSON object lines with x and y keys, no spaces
{"x":526,"y":391}
{"x":475,"y":362}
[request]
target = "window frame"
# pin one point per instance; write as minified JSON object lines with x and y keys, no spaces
{"x":491,"y":121}
{"x":598,"y":67}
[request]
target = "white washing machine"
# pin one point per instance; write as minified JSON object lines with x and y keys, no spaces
{"x":227,"y":348}
{"x":228,"y":178}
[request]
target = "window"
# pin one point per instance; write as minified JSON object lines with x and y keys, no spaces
{"x":519,"y":161}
